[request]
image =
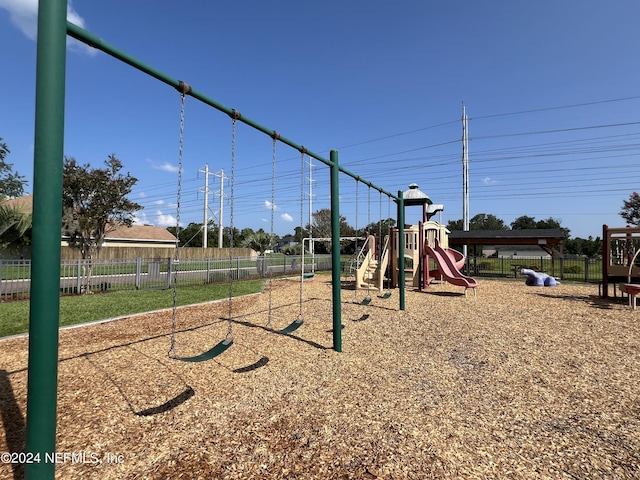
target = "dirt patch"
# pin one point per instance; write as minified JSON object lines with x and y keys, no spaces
{"x":518,"y":382}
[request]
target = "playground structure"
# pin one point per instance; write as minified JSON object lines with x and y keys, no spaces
{"x":538,"y":279}
{"x":620,"y":251}
{"x":620,"y":247}
{"x":427,"y":257}
{"x":372,"y":265}
{"x":426,"y":254}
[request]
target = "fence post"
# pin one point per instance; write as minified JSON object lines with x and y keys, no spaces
{"x":586,"y":269}
{"x":79,"y":277}
{"x":138,"y":272}
{"x":169,"y":272}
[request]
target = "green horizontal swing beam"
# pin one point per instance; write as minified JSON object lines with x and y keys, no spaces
{"x":96,"y":42}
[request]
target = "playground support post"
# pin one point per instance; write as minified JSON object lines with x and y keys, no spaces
{"x":335,"y":251}
{"x":401,"y":277}
{"x":42,"y":376}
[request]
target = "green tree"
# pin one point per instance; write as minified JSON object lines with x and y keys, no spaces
{"x":95,"y":203}
{"x":589,"y":247}
{"x":259,"y":241}
{"x":553,"y":223}
{"x":523,"y":223}
{"x":631,"y":209}
{"x":14,"y":223}
{"x":190,"y":236}
{"x":322,"y":225}
{"x":11,"y":183}
{"x":381,"y":228}
{"x":456,"y":225}
{"x":322,"y":229}
{"x":482,"y":221}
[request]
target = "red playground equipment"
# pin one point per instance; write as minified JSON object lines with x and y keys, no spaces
{"x":620,"y":248}
{"x":427,"y":254}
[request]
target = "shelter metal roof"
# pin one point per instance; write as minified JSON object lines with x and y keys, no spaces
{"x":538,"y":236}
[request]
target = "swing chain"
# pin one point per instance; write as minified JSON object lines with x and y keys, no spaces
{"x":235,"y":115}
{"x":357,"y":253}
{"x":275,"y":137}
{"x":302,"y":152}
{"x":174,"y":267}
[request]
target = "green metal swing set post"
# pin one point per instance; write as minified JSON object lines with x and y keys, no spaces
{"x":335,"y":251}
{"x":401,"y":276}
{"x":44,"y":303}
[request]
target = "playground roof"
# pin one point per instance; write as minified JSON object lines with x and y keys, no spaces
{"x":414,"y":196}
{"x":540,"y":236}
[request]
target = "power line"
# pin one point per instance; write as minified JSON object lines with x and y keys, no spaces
{"x":560,"y":107}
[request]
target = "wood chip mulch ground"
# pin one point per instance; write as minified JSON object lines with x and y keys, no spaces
{"x":519,"y":382}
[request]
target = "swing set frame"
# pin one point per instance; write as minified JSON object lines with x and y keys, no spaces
{"x":42,"y":370}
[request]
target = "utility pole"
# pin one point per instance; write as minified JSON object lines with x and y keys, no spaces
{"x":465,"y":174}
{"x":221,"y":209}
{"x":206,"y":205}
{"x":219,"y":213}
{"x":310,"y":163}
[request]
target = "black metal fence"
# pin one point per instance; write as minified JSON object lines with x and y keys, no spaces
{"x":576,"y":268}
{"x":158,"y":273}
{"x":153,"y":273}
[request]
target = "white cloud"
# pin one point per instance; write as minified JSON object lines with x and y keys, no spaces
{"x":165,"y":220}
{"x":159,"y":202}
{"x":286,"y":217}
{"x":165,"y":166}
{"x":140,"y":218}
{"x":489,"y":181}
{"x":24,"y":15}
{"x":142,"y":195}
{"x":270,"y":206}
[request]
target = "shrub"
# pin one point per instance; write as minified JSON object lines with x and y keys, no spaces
{"x":573,"y":269}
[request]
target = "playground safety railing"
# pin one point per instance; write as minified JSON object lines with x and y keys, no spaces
{"x":152,"y":273}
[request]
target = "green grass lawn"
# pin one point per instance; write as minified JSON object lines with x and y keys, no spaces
{"x":86,"y":308}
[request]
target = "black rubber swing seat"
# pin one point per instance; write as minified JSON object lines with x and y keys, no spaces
{"x":366,"y":301}
{"x":292,"y":327}
{"x":209,"y":354}
{"x":385,"y":296}
{"x":309,"y":275}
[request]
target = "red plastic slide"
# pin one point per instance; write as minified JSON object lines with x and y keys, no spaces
{"x":447,"y":268}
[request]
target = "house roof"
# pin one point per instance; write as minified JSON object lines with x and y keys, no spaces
{"x":141,"y":232}
{"x":26,"y":203}
{"x":134,"y":232}
{"x":539,"y":236}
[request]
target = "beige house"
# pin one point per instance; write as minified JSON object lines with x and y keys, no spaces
{"x":143,"y":239}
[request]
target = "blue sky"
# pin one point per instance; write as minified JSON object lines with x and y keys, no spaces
{"x":551,"y":90}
